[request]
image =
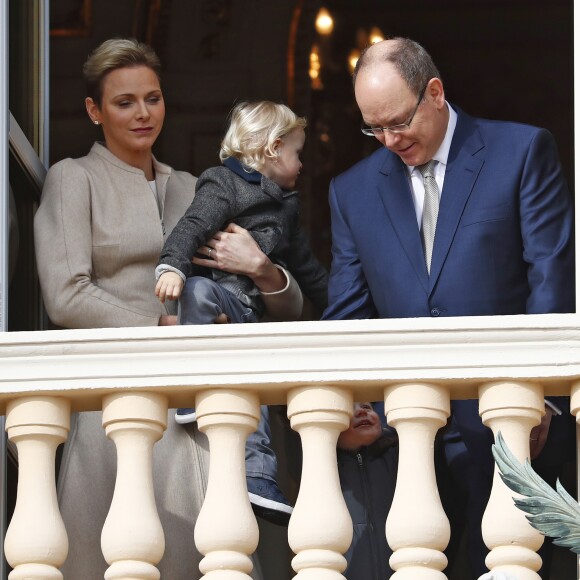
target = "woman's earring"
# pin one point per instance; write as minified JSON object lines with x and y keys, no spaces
{"x":95,"y":122}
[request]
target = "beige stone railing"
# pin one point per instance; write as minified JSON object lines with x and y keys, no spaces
{"x":318,"y":369}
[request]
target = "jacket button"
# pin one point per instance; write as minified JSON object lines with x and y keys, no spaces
{"x":435,"y":312}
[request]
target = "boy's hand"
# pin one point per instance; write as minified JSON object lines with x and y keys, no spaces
{"x":169,"y":286}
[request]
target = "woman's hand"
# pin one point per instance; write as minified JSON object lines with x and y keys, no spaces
{"x":169,"y":286}
{"x":234,"y":250}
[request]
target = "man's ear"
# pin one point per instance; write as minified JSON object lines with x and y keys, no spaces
{"x":436,"y":92}
{"x":93,"y":110}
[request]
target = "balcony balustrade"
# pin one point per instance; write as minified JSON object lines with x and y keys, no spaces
{"x":318,"y":369}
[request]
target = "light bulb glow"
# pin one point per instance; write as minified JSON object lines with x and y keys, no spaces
{"x":324,"y":22}
{"x":353,"y":57}
{"x":376,"y":35}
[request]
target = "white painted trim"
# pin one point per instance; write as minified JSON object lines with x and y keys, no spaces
{"x":577,"y":207}
{"x":4,"y":180}
{"x":4,"y":237}
{"x":364,"y":355}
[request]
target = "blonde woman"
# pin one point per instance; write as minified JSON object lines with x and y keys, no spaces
{"x":101,"y":224}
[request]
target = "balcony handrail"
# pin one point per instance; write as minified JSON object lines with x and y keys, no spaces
{"x":366,"y":354}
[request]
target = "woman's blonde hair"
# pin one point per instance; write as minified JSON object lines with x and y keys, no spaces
{"x":254,"y":129}
{"x":114,"y":54}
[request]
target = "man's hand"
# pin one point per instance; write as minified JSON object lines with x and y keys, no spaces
{"x":539,"y":434}
{"x":169,"y":286}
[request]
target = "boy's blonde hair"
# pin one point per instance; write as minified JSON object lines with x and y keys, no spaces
{"x":254,"y":129}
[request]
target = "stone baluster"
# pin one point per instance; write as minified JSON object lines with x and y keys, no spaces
{"x":575,"y":410}
{"x":226,"y":531}
{"x":132,"y":539}
{"x":320,"y":528}
{"x":512,"y":408}
{"x":417,"y":528}
{"x":36,"y":543}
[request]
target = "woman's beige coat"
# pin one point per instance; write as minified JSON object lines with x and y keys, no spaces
{"x":98,"y":235}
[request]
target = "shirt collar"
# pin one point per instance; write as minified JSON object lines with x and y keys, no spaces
{"x":250,"y":175}
{"x":253,"y":176}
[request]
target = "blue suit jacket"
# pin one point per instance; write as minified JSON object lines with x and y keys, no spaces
{"x":504,"y":242}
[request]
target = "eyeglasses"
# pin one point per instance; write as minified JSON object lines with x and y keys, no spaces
{"x":400,"y":128}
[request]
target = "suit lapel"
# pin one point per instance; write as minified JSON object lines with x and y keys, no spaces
{"x":463,"y":168}
{"x":395,"y":193}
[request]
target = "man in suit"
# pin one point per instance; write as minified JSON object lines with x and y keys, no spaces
{"x":500,"y":210}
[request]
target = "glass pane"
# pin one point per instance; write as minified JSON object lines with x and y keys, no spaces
{"x":24,"y":300}
{"x":24,"y":71}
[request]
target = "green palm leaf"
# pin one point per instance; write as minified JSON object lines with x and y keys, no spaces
{"x":553,"y":512}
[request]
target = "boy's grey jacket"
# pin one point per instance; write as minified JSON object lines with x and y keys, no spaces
{"x":227,"y":194}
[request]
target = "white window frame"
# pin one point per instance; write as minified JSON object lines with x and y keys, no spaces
{"x":4,"y":183}
{"x":576,"y":67}
{"x":13,"y":139}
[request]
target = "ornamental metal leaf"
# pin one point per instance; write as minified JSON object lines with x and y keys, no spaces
{"x":553,"y":512}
